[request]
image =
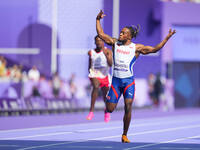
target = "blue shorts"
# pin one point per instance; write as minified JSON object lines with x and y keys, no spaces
{"x":119,"y":86}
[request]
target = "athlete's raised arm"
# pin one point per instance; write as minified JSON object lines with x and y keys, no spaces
{"x":90,"y":60}
{"x":107,"y":39}
{"x":149,"y":49}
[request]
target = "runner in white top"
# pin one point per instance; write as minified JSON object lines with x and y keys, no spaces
{"x":100,"y":60}
{"x":124,"y":55}
{"x":99,"y":66}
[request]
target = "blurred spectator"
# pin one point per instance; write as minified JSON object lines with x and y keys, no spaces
{"x":8,"y":72}
{"x":35,"y":92}
{"x":151,"y":81}
{"x":15,"y":73}
{"x":158,"y":89}
{"x":72,"y":86}
{"x":45,"y":87}
{"x":64,"y":90}
{"x":167,"y":100}
{"x":34,"y":74}
{"x":19,"y":72}
{"x":3,"y":64}
{"x":56,"y":85}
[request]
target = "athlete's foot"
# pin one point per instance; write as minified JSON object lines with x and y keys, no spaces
{"x":125,"y":139}
{"x":107,"y":117}
{"x":90,"y":115}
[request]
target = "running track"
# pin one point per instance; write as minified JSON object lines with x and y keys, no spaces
{"x":149,"y":130}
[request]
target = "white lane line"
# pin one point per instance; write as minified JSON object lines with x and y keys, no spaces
{"x":98,"y":129}
{"x":164,"y":142}
{"x":52,"y":127}
{"x":149,"y":132}
{"x":139,"y":133}
{"x":136,"y":125}
{"x":188,"y":117}
{"x":90,"y":147}
{"x":89,"y":130}
{"x":48,"y":145}
{"x":10,"y":146}
{"x":86,"y":130}
{"x":177,"y":148}
{"x":38,"y":135}
{"x":58,"y":144}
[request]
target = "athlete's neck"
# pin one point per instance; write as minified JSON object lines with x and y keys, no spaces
{"x":126,"y":42}
{"x":98,"y":49}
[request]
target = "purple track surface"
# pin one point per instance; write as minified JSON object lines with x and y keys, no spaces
{"x":149,"y":130}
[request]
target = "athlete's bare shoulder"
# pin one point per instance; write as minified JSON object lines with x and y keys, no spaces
{"x":138,"y":49}
{"x":107,"y":51}
{"x":138,"y":46}
{"x":89,"y":52}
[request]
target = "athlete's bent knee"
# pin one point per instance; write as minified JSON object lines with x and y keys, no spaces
{"x":110,"y":108}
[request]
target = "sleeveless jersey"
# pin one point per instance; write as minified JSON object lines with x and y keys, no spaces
{"x":124,"y":59}
{"x":99,"y":66}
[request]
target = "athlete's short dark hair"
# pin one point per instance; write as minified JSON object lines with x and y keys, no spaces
{"x":97,"y":36}
{"x":134,"y":30}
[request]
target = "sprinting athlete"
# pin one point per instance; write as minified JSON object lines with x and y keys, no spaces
{"x":100,"y":60}
{"x":125,"y":53}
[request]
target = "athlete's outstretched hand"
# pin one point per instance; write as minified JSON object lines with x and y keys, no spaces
{"x":171,"y":32}
{"x":100,"y":15}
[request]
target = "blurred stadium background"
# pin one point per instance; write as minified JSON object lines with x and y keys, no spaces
{"x":44,"y":45}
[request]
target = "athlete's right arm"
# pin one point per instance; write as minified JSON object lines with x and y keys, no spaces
{"x":107,"y":39}
{"x":153,"y":49}
{"x":90,"y":60}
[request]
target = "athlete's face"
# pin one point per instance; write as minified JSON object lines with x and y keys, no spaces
{"x":125,"y":35}
{"x":99,"y":43}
